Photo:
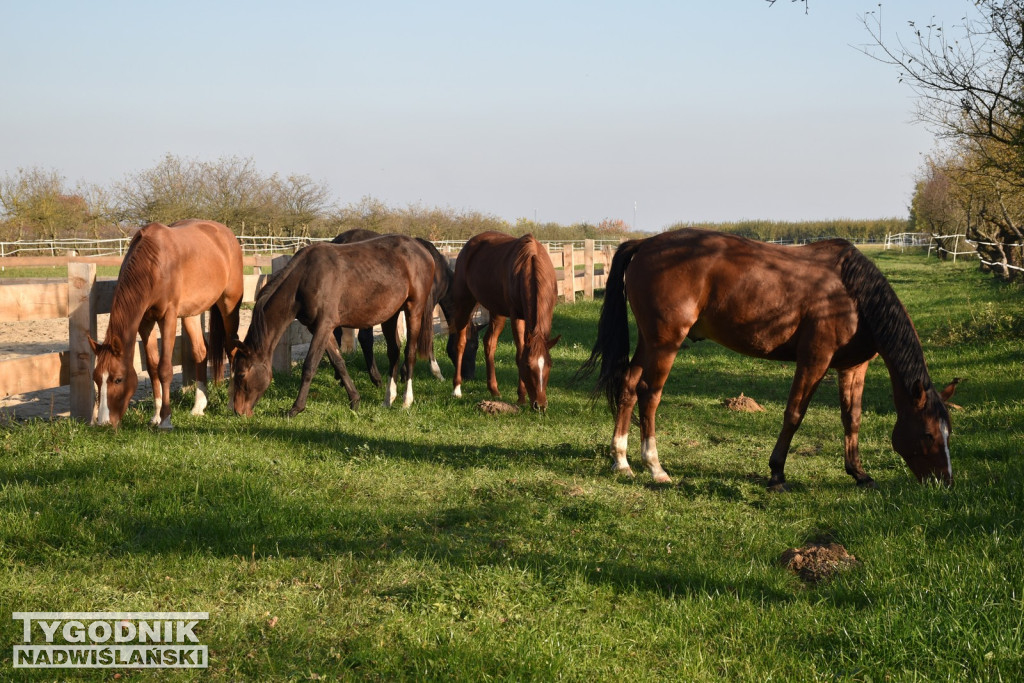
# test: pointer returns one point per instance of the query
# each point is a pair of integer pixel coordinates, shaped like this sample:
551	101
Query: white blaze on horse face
103	415
540	373
408	394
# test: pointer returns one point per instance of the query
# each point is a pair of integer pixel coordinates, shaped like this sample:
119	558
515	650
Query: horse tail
425	340
215	349
612	345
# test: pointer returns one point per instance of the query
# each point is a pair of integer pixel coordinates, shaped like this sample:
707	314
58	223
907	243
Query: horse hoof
626	472
867	483
778	487
662	478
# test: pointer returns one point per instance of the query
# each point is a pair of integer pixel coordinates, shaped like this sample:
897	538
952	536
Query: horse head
922	431
115	378
534	369
250	377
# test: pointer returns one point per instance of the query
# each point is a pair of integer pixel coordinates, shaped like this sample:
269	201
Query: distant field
441	543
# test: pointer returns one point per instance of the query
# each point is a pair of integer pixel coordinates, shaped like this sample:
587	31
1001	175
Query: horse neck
272	317
538	322
904	358
132	298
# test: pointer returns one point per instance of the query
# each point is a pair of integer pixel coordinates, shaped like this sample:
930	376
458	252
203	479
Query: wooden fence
83	297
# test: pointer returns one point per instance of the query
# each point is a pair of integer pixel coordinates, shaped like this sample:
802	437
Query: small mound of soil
496	407
742	403
817	562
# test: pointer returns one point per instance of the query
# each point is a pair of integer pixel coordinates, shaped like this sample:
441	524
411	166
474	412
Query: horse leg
390	330
460	327
413	319
851	389
151	345
365	337
341	373
624	417
317	345
519	339
168	331
808	375
192	328
656	366
490	344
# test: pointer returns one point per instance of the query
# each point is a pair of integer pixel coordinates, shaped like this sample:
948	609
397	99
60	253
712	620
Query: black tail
215	349
612	345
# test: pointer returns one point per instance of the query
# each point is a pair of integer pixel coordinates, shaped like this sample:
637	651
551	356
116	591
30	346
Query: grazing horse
823	305
169	272
511	278
326	286
440	295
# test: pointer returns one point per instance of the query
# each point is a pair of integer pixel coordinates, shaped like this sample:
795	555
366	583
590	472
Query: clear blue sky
703	110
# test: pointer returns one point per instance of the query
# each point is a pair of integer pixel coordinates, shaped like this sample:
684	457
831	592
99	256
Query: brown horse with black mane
440	295
823	305
168	272
325	286
511	278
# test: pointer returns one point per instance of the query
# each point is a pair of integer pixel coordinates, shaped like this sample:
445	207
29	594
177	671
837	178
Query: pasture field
441	543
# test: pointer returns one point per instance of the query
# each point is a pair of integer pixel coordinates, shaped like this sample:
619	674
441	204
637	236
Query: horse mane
885	317
256	336
134	283
527	253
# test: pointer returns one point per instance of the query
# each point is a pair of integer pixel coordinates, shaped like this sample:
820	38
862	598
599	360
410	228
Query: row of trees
970	87
38	204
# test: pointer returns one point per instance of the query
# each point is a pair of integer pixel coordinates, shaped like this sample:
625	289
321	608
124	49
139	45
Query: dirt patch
818	561
496	407
743	404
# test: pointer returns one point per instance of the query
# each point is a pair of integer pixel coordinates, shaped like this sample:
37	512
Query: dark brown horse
168	273
511	278
440	295
326	286
823	306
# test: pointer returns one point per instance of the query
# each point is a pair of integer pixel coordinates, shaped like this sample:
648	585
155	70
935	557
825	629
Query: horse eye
118	380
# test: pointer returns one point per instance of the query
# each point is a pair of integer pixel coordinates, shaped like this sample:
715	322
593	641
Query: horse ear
950	389
93	344
918	396
552	342
236	348
115	346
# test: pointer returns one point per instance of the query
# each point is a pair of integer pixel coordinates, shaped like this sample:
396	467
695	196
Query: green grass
440	543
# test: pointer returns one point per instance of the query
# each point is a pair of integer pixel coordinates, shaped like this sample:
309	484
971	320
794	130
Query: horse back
758	299
505	274
194	262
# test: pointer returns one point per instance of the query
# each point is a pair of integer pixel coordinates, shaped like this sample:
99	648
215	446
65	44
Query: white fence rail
940	244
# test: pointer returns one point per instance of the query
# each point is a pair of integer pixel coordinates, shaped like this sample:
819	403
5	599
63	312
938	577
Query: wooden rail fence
84	297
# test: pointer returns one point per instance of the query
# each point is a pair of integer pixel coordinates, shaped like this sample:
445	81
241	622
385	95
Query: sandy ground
37	337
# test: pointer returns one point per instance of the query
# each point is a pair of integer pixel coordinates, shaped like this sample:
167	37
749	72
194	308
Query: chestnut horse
326	286
511	278
168	272
440	295
823	305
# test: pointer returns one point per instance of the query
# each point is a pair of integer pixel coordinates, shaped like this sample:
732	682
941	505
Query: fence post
568	273
81	321
956	246
282	360
588	270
